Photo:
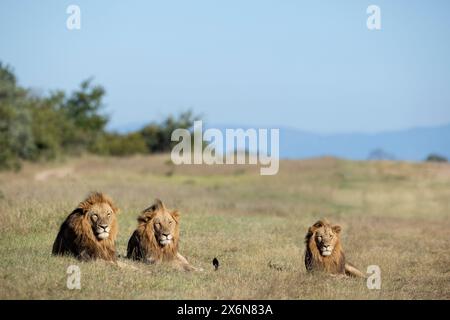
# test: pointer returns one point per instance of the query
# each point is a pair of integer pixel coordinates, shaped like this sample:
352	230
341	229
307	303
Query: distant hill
413	144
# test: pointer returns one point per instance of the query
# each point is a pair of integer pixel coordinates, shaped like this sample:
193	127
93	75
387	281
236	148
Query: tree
34	127
83	109
158	136
50	125
16	139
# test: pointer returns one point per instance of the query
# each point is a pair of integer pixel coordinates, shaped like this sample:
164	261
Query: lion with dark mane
156	238
324	251
90	231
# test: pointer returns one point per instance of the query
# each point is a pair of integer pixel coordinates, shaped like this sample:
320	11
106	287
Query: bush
85	122
120	145
49	126
16	139
436	158
158	135
36	127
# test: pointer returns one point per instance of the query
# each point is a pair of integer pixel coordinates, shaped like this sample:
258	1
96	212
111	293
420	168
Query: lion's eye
94	216
109	214
170	222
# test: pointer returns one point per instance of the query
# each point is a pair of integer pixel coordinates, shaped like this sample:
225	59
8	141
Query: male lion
90	231
324	251
156	238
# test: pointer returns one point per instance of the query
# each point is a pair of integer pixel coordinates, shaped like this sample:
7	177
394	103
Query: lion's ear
115	209
176	215
146	216
79	211
156	206
159	205
142	218
337	228
318	224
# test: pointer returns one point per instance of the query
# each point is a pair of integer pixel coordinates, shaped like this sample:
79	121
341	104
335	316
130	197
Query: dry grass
395	215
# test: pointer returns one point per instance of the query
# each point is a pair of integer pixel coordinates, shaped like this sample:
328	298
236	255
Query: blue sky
311	65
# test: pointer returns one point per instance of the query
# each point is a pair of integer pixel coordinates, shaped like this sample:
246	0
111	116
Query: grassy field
394	215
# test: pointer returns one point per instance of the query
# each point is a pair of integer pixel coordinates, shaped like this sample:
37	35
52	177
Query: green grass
395	215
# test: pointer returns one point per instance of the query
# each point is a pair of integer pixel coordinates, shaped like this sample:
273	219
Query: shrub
120	145
436	158
43	127
16	139
158	135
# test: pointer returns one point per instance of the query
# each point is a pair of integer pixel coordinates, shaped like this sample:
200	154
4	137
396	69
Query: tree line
37	127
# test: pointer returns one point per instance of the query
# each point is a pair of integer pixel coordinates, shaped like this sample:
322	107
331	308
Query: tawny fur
144	245
335	263
76	236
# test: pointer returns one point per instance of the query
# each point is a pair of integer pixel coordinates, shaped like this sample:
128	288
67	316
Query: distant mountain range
413	144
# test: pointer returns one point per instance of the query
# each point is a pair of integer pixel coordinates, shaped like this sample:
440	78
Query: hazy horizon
133	126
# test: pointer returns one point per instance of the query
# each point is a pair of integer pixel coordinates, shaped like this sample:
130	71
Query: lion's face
101	216
165	226
326	237
157	234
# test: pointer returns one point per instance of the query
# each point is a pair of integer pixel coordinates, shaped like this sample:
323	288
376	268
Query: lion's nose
104	226
166	234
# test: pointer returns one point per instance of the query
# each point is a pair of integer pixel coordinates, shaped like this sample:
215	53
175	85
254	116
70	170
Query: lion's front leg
85	256
182	263
149	260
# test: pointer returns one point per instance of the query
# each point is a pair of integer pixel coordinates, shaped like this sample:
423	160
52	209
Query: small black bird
215	263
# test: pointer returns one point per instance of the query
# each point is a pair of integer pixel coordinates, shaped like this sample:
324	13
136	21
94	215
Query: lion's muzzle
326	250
102	231
165	239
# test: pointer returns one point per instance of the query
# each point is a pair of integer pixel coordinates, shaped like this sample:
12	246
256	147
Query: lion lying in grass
324	251
156	238
90	231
